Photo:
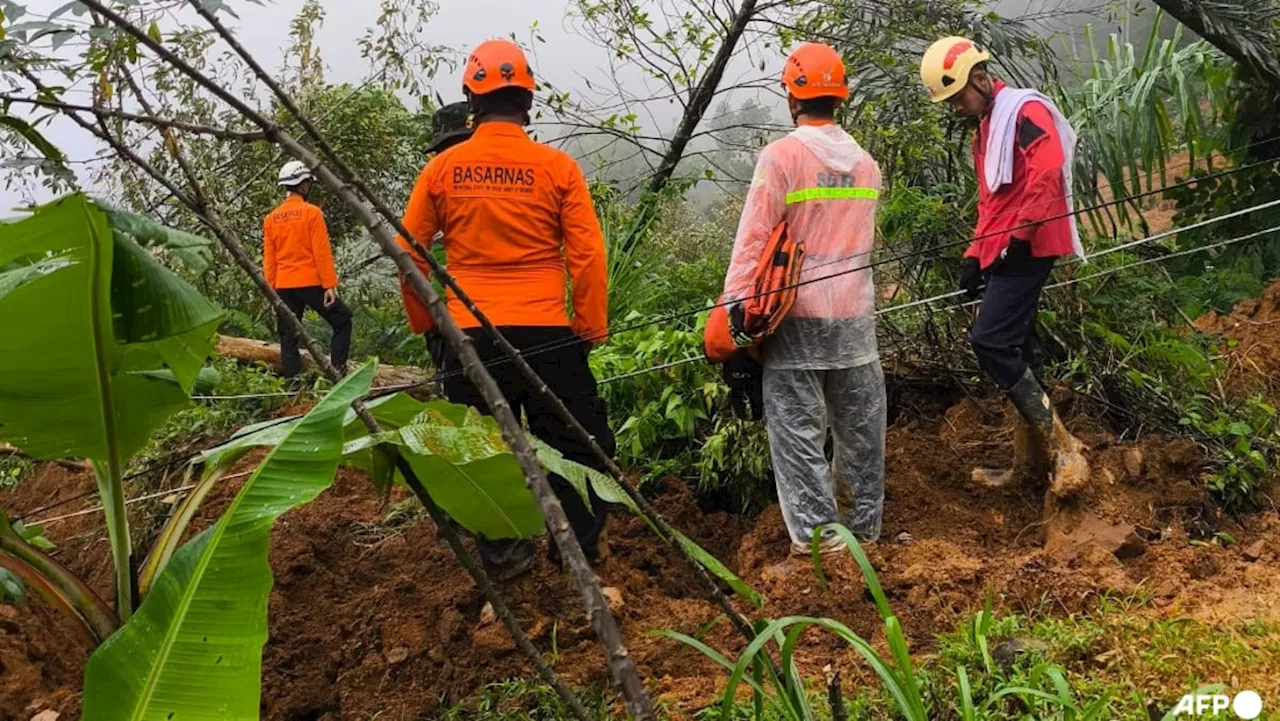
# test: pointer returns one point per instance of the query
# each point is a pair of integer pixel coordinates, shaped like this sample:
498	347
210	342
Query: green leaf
153	32
194	251
470	473
12	588
24	130
193	651
87	315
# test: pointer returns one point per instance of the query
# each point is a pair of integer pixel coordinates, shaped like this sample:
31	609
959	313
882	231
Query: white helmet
293	173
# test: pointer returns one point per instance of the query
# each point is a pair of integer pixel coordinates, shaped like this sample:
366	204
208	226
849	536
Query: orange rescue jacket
734	327
295	246
515	215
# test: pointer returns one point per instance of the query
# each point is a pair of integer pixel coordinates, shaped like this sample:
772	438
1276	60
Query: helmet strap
988	96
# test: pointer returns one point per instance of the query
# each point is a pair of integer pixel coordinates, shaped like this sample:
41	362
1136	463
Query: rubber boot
1069	471
1030	458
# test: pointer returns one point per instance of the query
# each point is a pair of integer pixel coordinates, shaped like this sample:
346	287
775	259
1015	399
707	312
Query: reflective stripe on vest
800	196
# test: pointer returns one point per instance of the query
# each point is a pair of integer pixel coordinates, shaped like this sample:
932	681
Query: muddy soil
371	619
1252	352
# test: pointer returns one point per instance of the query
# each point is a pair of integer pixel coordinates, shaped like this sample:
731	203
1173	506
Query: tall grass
779	690
1133	110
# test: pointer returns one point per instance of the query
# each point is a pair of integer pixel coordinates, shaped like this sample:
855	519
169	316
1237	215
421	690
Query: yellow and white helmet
947	64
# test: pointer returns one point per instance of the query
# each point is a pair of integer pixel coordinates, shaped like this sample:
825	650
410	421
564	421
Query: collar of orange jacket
293	197
498	128
818	122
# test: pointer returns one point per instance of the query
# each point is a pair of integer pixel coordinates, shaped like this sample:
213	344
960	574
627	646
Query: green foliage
205	419
468	470
104	317
112	338
674	421
1133	111
13	468
1222	279
194	649
12	590
194	251
525	700
1164	373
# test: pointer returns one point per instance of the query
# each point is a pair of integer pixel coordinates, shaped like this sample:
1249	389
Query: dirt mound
372	616
1253	353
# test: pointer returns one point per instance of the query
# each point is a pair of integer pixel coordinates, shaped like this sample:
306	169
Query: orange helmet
497	64
813	71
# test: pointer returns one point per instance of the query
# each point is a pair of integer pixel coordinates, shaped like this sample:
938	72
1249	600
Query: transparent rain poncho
822	368
824	185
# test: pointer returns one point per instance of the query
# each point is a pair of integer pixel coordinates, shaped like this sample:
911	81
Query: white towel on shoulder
1001	142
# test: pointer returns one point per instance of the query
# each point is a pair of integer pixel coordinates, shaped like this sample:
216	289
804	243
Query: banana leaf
89	317
466	467
193	650
462	460
194	251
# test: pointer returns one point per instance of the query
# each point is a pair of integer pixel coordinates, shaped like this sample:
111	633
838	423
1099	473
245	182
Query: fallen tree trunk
247	350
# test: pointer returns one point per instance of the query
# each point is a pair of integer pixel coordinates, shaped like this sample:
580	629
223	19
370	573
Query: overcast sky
460	24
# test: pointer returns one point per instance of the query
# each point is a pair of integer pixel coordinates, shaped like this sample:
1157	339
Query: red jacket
1036	194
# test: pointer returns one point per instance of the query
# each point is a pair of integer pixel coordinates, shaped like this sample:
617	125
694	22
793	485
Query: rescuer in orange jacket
518	223
298	263
450	125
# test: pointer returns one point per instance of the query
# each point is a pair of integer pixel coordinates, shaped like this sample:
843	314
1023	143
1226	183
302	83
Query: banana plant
457	453
53	582
193	651
102	343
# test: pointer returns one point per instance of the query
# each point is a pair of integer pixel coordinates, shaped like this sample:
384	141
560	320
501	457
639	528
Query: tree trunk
694	112
247	350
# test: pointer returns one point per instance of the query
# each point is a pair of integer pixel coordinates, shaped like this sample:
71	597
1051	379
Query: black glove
745	379
971	278
1014	255
435	348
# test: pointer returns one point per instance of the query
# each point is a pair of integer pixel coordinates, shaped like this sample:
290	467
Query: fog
566	58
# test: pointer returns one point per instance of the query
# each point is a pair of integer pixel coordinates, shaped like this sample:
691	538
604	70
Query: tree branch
222	133
602	620
196	202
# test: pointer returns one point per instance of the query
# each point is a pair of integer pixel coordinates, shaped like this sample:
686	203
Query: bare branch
620	662
223	133
196	202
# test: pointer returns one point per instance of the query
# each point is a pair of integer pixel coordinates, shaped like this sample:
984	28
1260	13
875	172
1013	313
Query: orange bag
744	325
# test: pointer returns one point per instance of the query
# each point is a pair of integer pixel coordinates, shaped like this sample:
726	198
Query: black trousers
567	374
1004	334
338	316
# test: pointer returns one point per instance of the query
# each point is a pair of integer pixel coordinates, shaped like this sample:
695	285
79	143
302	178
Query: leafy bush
1161	371
673	422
